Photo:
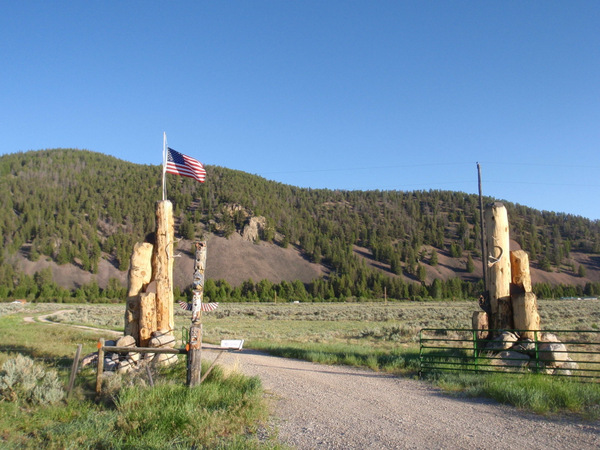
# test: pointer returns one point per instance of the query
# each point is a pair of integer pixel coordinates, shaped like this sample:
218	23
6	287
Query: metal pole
164	168
483	246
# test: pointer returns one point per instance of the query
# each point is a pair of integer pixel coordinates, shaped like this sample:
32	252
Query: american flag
206	307
180	164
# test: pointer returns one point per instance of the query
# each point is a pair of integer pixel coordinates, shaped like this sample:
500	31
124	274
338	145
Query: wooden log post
162	266
194	356
480	323
519	268
140	273
147	317
498	270
524	301
74	368
195	345
481	335
198	283
100	367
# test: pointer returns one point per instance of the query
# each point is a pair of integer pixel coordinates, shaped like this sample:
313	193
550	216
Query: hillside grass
224	412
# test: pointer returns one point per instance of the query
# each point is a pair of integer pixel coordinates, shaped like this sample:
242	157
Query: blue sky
362	95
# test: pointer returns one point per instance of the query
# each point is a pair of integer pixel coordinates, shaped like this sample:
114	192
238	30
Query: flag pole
164	168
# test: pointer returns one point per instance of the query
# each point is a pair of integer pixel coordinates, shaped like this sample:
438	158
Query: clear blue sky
402	95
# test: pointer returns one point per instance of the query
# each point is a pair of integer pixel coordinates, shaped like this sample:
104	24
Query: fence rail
572	353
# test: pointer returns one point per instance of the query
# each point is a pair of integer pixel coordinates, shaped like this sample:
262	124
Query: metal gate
463	350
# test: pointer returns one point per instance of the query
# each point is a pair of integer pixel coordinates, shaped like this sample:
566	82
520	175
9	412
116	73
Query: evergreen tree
433	260
470	264
421	273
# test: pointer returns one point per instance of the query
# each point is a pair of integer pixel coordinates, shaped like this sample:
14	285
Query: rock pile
126	362
509	350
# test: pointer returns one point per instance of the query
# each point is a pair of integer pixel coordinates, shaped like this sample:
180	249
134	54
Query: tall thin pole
483	246
195	343
164	168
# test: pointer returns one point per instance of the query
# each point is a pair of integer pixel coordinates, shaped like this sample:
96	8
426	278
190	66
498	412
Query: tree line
77	207
41	288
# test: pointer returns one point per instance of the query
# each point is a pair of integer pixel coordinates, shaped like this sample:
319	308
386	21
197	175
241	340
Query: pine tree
421	273
433	260
470	264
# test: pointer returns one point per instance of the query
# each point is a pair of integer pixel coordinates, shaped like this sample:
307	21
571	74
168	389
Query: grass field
383	337
224	412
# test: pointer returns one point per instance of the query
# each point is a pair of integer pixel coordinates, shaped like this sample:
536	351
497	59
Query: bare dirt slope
449	267
332	407
236	260
233	260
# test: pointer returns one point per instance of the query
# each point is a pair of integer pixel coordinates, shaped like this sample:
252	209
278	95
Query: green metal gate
460	350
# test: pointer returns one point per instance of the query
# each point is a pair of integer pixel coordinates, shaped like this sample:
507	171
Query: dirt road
332	407
44	318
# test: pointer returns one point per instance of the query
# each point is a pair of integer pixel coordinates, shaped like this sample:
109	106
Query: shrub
21	380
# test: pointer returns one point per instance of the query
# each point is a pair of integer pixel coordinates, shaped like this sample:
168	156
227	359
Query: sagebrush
22	380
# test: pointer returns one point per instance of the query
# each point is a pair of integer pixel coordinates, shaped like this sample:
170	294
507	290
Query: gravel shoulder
335	407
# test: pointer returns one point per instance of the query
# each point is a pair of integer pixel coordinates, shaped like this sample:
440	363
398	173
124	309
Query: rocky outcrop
252	230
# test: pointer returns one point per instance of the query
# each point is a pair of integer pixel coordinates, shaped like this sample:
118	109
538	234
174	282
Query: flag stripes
185	166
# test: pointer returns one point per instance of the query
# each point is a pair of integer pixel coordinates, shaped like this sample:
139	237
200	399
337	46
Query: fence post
537	353
195	344
194	356
420	353
100	366
74	368
475	350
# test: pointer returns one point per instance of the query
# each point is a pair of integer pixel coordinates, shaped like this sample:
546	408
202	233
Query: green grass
224	412
538	393
394	361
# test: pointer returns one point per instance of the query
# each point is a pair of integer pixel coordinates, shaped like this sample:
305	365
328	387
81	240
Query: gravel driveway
335	407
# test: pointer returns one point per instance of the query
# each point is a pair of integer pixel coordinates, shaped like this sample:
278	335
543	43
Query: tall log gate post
162	267
195	345
498	269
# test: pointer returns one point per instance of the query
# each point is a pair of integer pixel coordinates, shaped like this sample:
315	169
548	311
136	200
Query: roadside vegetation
224	412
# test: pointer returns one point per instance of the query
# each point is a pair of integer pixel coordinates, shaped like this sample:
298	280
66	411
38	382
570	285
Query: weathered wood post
524	301
162	267
480	322
147	317
100	367
195	345
498	270
140	273
74	370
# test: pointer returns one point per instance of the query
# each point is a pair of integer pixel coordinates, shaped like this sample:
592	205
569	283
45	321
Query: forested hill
80	207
